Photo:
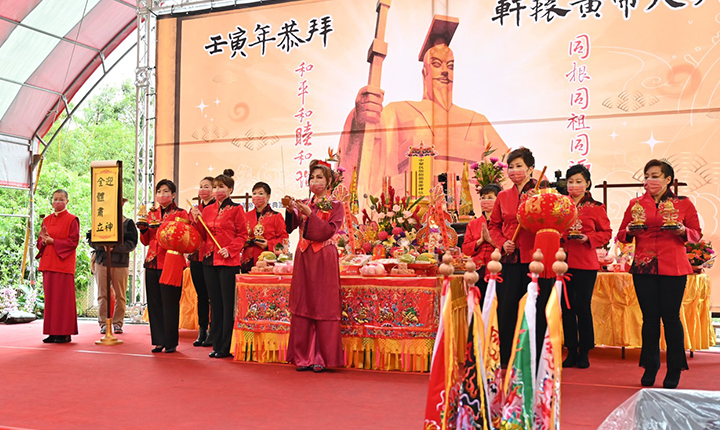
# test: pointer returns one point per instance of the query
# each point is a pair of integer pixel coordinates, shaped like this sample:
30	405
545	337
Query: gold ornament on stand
259	231
670	216
638	217
575	231
142	216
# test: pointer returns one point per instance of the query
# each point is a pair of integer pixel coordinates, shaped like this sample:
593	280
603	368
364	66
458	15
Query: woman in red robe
58	241
226	221
314	342
660	268
583	267
271	232
477	242
163	300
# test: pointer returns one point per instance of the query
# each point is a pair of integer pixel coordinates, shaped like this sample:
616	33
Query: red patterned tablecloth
387	323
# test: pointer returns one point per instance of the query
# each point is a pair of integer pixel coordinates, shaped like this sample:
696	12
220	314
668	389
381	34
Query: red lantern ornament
178	237
547	214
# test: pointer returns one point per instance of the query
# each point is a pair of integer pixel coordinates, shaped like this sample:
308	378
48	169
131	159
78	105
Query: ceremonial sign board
106	202
421	170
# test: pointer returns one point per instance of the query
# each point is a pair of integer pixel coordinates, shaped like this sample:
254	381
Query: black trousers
578	320
660	297
509	293
203	299
482	284
163	309
220	281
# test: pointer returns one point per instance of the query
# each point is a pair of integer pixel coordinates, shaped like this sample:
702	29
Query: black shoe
583	361
648	378
672	378
62	339
318	368
303	368
158	348
571	359
103	329
222	355
50	339
208	340
212	354
202	337
170	350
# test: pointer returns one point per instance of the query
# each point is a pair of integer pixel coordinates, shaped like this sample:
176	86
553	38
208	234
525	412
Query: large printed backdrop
644	73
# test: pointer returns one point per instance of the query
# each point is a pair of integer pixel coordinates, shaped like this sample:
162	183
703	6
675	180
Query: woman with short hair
583	267
660	268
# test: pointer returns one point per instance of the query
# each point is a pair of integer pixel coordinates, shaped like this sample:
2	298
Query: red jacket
503	223
197	255
596	226
661	252
481	254
59	257
274	234
156	254
227	223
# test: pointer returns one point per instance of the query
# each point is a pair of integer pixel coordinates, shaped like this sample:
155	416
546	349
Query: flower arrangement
700	254
390	221
490	170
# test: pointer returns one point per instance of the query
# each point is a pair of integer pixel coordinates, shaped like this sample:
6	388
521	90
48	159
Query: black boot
672	378
572	358
202	337
208	340
648	378
50	339
583	361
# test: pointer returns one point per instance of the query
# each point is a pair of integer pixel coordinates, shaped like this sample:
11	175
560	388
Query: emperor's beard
438	92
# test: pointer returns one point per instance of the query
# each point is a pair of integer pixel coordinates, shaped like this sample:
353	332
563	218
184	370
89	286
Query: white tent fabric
48	49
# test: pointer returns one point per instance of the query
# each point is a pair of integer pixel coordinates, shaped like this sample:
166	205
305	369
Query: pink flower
341	169
383	235
396	231
494	160
367	247
474	166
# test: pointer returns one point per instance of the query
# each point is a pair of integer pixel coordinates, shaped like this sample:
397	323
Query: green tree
104	129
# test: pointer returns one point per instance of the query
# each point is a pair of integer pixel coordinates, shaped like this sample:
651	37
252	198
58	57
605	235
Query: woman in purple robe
314	342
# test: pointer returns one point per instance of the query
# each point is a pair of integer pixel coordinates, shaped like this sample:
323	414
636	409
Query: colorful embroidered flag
546	406
519	384
443	387
491	355
473	412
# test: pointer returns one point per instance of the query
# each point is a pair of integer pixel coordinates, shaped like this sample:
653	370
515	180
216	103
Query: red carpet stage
83	386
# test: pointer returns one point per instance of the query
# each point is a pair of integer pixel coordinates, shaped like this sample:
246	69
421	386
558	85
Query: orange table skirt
618	320
387	323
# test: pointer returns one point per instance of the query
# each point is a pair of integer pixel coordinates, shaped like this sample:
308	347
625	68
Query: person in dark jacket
119	271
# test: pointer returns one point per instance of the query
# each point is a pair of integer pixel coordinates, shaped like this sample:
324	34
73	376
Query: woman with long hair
226	221
660	267
266	228
163	300
583	267
314	342
205	198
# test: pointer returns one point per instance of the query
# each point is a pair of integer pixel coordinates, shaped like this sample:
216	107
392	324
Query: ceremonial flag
518	408
546	407
466	203
473	412
491	356
443	387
